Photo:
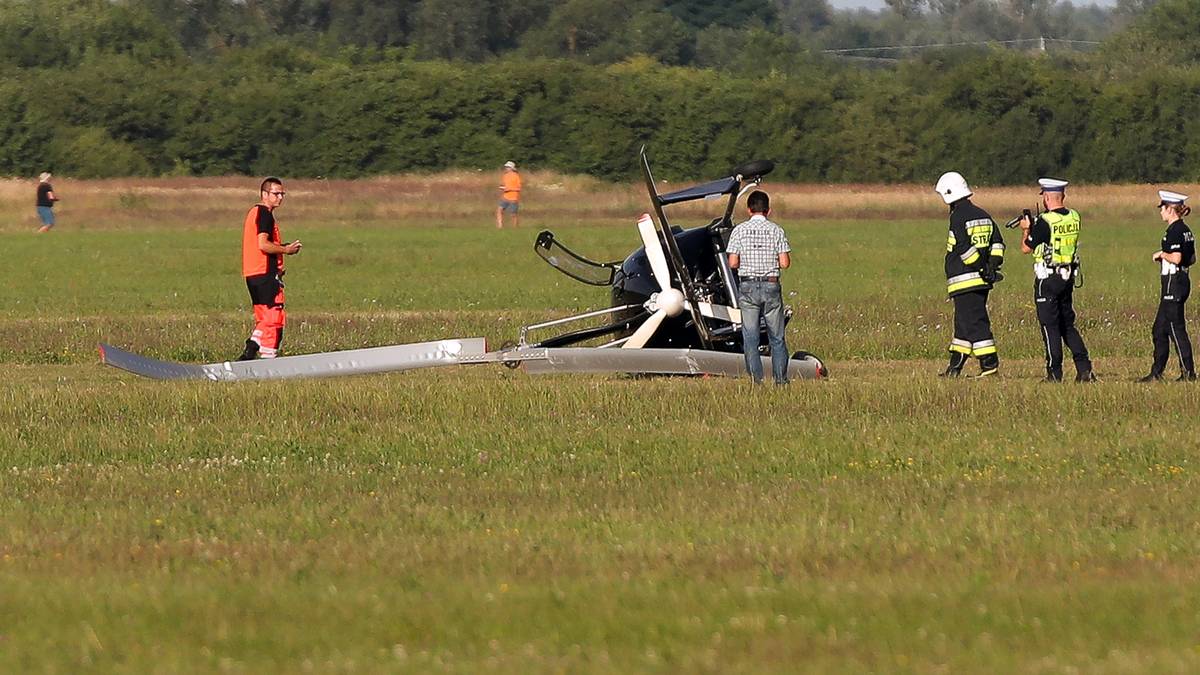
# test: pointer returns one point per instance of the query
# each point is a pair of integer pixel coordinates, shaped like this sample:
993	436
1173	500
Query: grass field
478	519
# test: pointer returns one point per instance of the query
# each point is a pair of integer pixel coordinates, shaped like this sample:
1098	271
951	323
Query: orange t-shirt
511	182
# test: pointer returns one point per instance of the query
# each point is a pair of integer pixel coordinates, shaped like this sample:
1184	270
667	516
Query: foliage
273	86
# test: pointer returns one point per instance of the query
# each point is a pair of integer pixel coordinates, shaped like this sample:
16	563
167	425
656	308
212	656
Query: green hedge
998	117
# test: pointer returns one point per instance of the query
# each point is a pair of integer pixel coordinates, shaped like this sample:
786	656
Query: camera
1025	213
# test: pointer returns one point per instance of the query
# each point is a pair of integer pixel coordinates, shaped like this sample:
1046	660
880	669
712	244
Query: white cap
44	177
952	187
1168	197
510	165
1052	185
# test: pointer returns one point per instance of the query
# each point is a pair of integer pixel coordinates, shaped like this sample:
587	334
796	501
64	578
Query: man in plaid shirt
758	249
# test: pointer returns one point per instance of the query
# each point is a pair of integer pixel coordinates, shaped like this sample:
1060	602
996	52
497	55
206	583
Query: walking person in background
758	249
510	195
45	202
1176	254
1052	238
262	266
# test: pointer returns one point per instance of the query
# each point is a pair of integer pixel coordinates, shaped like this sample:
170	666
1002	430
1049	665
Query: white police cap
1052	185
1168	197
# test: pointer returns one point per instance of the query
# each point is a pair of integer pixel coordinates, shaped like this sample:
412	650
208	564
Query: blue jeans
765	299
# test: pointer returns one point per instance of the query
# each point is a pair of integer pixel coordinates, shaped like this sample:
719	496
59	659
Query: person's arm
785	251
733	249
963	247
271	248
1172	250
51	196
996	250
785	261
1034	234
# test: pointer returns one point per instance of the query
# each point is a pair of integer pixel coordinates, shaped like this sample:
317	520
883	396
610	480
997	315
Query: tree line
125	96
705	33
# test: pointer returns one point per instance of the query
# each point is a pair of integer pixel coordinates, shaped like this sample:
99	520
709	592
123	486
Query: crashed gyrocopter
674	311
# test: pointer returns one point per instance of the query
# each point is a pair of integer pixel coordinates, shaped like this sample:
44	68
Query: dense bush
123	99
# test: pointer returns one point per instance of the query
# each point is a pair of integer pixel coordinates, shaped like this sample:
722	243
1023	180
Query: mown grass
476	519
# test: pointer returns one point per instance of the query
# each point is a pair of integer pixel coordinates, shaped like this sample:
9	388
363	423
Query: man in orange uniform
510	194
262	266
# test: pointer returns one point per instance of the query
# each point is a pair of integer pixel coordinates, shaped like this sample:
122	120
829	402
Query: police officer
974	254
1176	254
1052	237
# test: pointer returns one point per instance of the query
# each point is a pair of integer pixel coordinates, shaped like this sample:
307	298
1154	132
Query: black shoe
1152	377
1085	376
250	353
987	372
1186	377
954	369
1052	376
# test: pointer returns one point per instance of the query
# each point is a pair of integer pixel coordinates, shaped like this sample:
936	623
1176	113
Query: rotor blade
326	364
654	251
646	331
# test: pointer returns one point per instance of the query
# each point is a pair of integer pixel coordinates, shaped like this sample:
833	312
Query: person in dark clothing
1052	237
1176	254
974	254
45	202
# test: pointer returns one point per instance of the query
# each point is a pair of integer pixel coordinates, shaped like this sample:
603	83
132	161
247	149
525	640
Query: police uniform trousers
1056	314
1169	326
973	327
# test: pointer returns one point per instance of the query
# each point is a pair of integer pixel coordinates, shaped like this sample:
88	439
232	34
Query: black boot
1053	375
1187	376
251	351
1085	376
957	361
1152	377
989	365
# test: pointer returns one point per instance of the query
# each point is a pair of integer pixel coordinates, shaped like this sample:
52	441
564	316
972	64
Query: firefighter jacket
974	249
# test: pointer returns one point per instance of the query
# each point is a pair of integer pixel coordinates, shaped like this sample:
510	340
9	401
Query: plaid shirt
758	243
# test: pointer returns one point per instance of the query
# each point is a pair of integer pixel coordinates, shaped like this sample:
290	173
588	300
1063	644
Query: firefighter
974	254
262	266
1052	237
1175	255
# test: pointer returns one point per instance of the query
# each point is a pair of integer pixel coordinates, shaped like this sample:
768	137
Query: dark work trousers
1169	327
972	326
1057	316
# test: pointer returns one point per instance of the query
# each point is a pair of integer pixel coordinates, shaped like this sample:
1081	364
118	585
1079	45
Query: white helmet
952	187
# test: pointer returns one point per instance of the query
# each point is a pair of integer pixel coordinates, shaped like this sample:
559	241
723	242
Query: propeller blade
646	331
654	251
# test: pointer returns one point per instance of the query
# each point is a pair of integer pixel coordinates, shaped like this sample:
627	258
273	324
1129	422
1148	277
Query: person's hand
293	248
1157	256
1026	222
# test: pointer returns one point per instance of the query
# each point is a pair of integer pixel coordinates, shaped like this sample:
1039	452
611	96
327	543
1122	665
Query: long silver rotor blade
654	251
646	331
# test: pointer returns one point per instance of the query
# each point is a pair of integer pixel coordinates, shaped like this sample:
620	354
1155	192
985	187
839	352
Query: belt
770	279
